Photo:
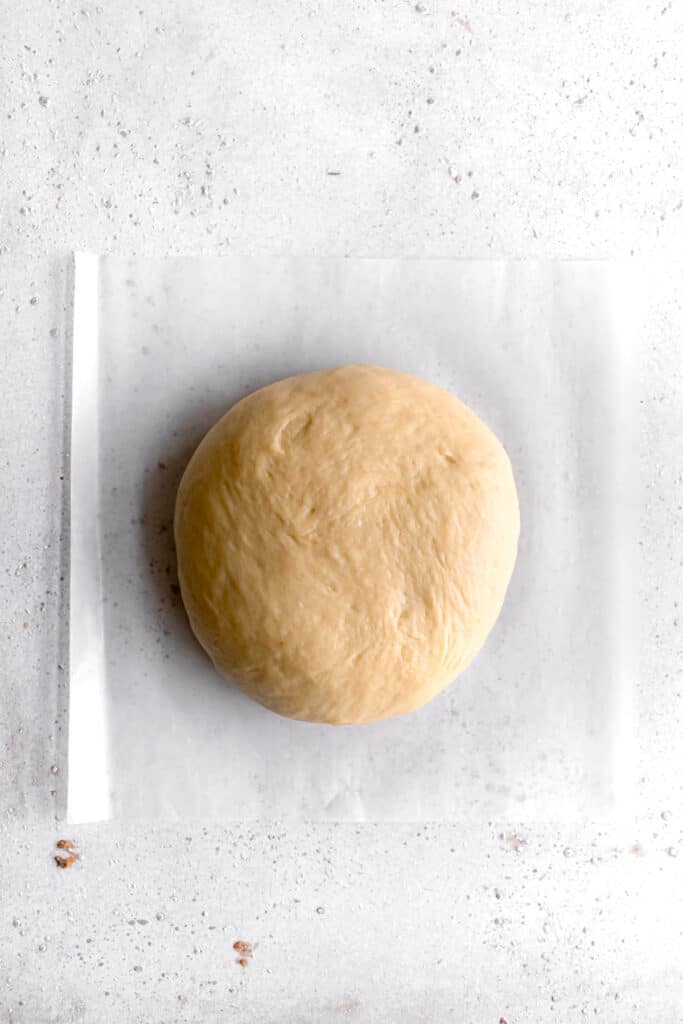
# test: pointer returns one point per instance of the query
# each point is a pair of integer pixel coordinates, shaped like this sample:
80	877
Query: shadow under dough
158	544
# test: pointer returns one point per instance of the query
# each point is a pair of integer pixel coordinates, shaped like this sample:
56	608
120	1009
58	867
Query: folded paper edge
88	790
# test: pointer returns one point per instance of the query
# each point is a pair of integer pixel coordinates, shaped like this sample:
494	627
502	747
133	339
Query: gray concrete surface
492	129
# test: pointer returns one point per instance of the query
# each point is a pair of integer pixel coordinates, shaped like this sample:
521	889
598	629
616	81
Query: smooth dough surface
345	539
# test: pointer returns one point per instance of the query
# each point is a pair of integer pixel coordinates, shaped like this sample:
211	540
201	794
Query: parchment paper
539	727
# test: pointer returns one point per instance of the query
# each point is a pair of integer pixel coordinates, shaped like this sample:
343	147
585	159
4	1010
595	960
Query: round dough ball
345	539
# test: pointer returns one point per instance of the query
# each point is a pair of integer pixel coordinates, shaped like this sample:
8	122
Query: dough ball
345	539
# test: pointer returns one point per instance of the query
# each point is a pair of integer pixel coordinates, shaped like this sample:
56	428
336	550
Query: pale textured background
541	129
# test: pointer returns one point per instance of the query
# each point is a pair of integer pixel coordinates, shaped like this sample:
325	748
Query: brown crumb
65	862
243	962
514	841
463	22
502	1021
71	853
243	948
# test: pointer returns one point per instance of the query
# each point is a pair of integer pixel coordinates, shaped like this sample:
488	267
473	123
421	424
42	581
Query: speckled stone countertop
365	128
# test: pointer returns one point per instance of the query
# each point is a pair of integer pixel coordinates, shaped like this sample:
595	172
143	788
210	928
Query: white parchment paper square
539	726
